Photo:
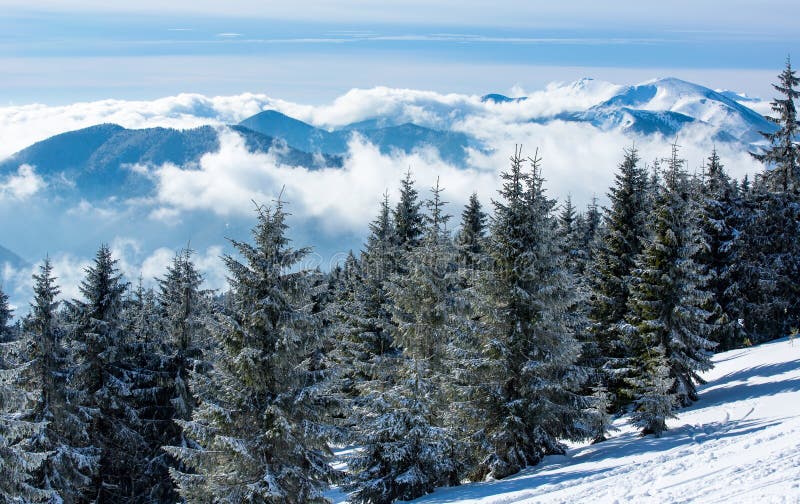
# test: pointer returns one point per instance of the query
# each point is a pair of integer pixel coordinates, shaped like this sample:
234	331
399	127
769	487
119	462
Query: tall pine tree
621	242
257	423
527	387
667	321
783	155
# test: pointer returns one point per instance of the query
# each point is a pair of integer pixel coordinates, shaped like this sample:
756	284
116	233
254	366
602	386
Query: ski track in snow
740	443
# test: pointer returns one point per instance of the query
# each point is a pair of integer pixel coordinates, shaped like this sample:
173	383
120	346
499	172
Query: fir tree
18	458
471	238
655	401
257	422
622	241
71	462
527	386
105	381
407	448
767	263
363	328
408	220
5	318
667	305
783	154
719	216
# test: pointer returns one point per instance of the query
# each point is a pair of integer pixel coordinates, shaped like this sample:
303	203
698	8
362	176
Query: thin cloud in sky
698	13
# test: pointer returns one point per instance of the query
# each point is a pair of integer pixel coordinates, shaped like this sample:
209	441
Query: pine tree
6	315
471	238
718	212
105	379
767	263
655	401
408	220
64	434
257	422
783	154
363	320
19	459
621	242
408	449
667	304
526	391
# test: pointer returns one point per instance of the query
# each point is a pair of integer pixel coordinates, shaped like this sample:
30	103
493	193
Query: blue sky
312	51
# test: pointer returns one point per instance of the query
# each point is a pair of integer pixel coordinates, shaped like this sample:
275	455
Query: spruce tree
19	459
71	462
407	448
408	220
667	313
767	263
471	238
655	400
782	157
257	422
526	393
718	218
105	380
621	242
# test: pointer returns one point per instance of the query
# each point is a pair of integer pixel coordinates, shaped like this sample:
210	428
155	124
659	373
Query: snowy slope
739	443
667	105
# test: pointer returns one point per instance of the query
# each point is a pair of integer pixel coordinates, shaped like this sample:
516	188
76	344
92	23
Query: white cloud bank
21	185
579	159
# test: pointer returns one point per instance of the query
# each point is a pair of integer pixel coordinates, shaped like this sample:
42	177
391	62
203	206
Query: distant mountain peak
499	98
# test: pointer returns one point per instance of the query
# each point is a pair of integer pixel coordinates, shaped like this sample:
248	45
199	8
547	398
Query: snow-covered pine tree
767	262
184	307
256	422
408	220
655	400
6	314
147	359
105	378
782	157
718	218
620	243
668	297
768	255
19	459
569	228
407	448
526	388
471	238
591	229
64	435
363	321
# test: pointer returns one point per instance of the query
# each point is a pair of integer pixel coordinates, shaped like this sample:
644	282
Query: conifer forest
449	349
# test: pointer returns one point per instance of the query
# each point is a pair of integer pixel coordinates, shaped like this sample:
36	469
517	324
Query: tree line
433	357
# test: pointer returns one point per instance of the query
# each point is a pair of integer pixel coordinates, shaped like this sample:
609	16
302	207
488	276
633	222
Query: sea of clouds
578	160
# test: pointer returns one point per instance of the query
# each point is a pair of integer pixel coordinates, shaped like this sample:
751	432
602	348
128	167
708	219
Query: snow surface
739	443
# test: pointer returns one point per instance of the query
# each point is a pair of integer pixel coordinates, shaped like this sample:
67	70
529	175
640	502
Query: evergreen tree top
436	219
408	219
103	286
45	291
782	157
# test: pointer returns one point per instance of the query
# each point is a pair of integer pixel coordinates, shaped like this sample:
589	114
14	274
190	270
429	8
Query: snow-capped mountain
668	105
94	159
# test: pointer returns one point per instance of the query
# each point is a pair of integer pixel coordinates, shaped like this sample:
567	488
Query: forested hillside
440	357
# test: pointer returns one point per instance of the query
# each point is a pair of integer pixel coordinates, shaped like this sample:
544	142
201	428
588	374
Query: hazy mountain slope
96	162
